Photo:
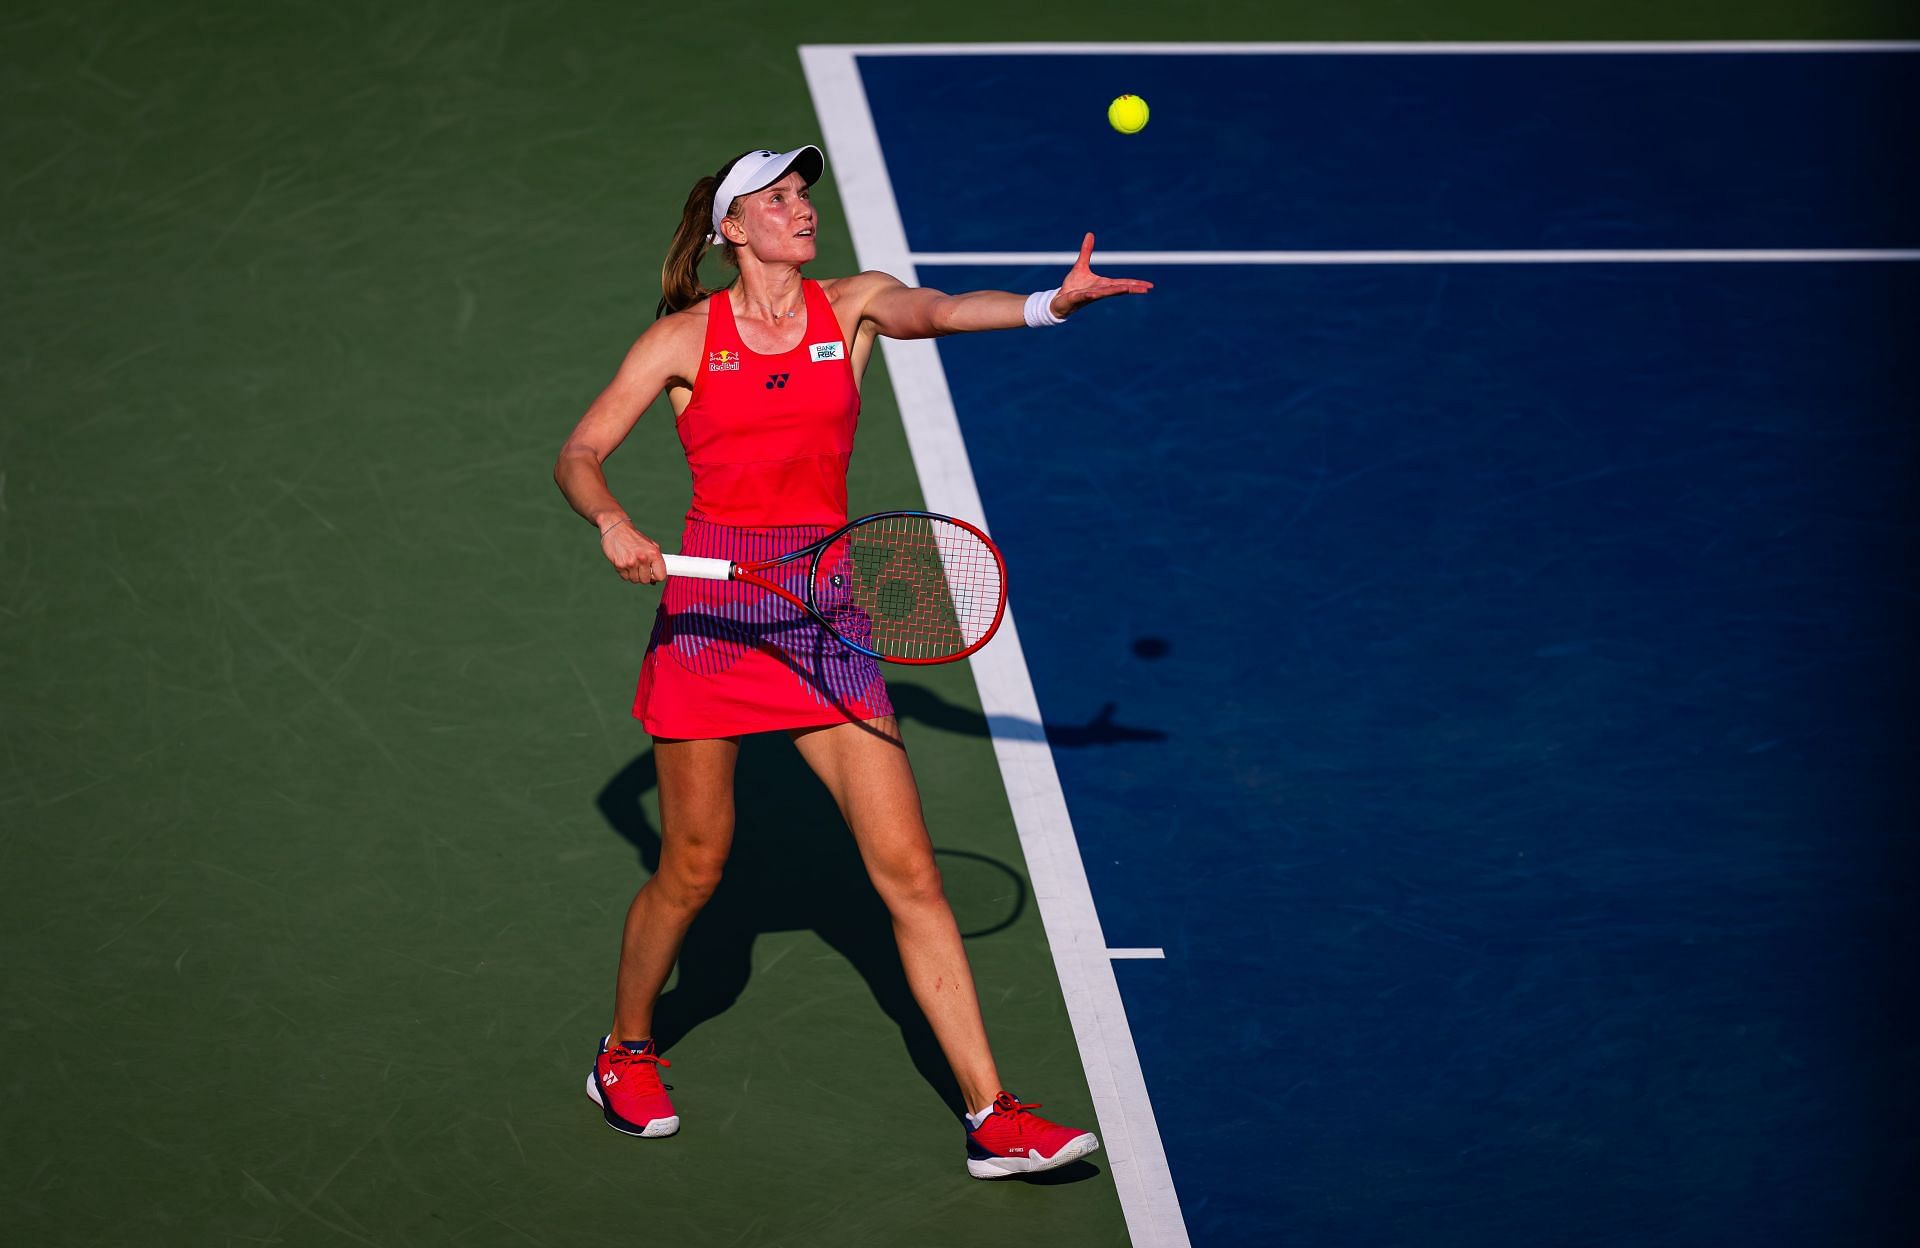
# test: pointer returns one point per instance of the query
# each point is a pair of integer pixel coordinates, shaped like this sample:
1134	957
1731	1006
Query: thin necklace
777	315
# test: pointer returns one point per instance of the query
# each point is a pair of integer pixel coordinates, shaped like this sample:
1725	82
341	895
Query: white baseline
1080	956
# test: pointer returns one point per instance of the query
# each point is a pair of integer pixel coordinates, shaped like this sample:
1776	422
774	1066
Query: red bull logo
723	361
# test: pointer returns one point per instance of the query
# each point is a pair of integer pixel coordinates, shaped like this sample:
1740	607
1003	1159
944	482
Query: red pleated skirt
727	659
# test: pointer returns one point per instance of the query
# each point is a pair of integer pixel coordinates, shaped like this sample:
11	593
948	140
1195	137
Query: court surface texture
1447	782
1475	672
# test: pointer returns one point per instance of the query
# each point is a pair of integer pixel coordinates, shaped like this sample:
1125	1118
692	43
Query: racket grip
699	569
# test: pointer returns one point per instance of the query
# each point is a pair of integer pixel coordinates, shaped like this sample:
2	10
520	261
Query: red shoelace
1007	1103
620	1056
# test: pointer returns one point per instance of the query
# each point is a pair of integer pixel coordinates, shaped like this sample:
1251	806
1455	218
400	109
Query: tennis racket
904	586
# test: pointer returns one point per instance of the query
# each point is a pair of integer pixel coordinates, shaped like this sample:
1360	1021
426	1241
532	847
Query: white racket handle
699	569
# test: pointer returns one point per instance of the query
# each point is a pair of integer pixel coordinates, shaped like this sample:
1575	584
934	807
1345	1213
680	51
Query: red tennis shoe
1014	1140
625	1084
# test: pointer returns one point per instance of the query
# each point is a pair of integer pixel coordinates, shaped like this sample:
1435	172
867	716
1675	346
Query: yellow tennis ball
1127	114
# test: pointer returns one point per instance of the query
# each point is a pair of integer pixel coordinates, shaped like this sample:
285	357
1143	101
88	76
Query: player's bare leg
696	833
865	768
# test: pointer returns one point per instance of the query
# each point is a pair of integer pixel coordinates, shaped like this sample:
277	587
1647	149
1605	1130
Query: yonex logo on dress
777	380
823	351
723	361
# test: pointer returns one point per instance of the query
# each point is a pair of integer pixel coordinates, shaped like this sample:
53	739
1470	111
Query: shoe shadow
1073	1172
794	866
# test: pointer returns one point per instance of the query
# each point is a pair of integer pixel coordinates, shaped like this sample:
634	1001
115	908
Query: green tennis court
321	804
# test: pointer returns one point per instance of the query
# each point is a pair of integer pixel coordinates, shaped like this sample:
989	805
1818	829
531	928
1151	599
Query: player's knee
690	882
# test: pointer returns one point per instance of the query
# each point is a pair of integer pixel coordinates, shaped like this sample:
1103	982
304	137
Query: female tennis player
764	379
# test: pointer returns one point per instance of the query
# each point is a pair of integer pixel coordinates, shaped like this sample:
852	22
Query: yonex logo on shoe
610	1079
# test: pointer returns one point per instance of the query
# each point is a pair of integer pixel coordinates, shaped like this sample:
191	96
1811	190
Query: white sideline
1080	955
1613	47
1065	259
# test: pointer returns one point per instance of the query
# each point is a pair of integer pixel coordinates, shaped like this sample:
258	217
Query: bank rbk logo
777	381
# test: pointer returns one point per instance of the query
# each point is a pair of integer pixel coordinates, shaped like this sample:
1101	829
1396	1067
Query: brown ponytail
680	272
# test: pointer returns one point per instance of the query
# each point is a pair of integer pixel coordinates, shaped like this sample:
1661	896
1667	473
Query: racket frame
726	570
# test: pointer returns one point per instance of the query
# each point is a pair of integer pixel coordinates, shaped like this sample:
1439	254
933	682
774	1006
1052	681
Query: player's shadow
794	866
927	707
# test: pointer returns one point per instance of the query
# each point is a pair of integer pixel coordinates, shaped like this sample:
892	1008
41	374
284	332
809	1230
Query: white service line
1080	956
1547	48
1141	954
1109	259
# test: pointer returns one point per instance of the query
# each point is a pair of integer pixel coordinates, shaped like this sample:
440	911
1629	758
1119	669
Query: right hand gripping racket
904	586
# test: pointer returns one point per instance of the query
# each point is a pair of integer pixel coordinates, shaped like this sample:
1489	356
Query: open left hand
1082	285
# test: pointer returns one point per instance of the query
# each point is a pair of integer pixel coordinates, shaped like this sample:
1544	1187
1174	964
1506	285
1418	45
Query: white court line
1828	255
1142	954
1559	48
1080	958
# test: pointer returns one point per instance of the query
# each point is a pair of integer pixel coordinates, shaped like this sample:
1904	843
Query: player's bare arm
887	306
657	360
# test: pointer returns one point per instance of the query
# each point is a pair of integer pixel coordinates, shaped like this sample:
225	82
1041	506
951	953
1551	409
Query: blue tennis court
1485	682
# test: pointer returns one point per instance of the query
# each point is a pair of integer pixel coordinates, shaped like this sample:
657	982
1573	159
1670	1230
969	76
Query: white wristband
1039	310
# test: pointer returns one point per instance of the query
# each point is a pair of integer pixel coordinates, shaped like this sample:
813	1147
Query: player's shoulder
676	330
856	289
688	320
669	346
859	283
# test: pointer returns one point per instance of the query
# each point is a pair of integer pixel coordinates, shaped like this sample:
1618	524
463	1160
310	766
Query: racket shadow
924	706
812	657
794	867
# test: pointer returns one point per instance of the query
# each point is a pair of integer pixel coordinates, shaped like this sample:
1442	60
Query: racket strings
913	587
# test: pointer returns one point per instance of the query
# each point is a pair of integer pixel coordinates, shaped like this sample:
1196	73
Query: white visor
758	170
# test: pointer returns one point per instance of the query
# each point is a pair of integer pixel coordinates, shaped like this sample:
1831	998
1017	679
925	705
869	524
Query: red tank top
768	437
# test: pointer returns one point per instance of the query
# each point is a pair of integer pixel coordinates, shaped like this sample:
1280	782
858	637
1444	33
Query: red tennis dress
767	438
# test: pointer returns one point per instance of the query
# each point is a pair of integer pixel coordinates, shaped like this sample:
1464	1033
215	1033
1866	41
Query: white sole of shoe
1008	1167
654	1129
